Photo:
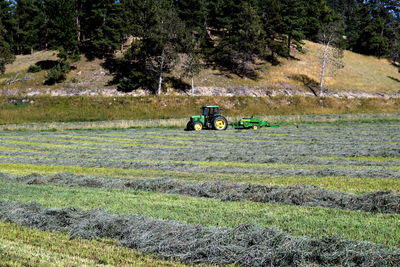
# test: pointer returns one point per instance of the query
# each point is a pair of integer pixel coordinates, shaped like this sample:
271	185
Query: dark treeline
229	34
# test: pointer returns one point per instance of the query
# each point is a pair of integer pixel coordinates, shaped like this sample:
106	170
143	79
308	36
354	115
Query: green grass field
353	157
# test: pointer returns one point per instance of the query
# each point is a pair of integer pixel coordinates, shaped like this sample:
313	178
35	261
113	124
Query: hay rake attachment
252	123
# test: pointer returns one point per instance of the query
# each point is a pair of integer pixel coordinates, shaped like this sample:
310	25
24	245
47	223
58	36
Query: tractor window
205	111
213	111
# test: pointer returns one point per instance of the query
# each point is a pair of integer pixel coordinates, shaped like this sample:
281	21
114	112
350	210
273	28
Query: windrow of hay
299	195
246	245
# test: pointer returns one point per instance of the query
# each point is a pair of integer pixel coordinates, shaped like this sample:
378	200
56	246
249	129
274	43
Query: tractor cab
210	111
210	118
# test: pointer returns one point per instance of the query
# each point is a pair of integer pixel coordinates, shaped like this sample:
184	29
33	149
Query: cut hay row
299	195
246	245
298	220
338	183
23	246
297	162
341	144
85	145
278	169
176	135
171	174
176	156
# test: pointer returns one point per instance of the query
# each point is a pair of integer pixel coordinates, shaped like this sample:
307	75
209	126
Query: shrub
57	74
34	68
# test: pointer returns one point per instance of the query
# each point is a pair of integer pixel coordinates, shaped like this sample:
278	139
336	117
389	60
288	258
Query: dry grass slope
360	73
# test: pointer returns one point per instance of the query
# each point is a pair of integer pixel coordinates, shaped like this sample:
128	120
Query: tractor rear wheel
197	126
220	123
256	127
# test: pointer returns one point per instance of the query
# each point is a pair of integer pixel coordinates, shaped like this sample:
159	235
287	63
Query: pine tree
294	18
30	26
7	20
242	41
62	27
318	14
102	27
155	49
6	55
374	34
274	29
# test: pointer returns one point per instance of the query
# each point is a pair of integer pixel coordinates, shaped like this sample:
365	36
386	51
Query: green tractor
210	119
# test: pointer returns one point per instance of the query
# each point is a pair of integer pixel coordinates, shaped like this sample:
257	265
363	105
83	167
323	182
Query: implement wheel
220	123
256	127
197	126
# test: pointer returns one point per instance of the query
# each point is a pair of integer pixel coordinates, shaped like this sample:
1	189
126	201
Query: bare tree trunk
289	44
160	81
322	75
192	85
325	57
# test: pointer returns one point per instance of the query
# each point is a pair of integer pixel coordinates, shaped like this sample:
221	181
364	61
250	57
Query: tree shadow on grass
178	84
307	82
394	79
47	64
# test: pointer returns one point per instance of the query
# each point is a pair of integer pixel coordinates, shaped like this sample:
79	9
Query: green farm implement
252	123
210	118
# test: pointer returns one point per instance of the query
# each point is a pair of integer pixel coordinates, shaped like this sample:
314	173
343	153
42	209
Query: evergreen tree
294	18
6	24
62	27
30	26
194	13
242	41
102	27
155	49
7	20
375	19
318	14
6	55
274	29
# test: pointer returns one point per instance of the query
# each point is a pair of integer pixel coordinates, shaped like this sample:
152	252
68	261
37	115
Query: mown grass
255	165
344	184
300	221
374	159
23	246
54	145
89	109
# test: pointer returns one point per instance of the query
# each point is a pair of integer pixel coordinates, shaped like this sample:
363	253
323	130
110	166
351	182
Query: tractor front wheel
189	126
256	127
197	126
220	123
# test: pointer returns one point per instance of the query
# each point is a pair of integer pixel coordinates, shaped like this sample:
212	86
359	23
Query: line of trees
229	34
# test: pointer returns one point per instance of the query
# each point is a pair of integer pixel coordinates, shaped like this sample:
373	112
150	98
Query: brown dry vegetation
69	109
360	73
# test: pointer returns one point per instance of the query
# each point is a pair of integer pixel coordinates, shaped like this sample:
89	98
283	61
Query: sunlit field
321	193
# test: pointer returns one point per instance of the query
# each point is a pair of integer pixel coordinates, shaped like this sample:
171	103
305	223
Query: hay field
315	194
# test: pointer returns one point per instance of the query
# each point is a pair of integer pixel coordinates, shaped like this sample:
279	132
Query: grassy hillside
360	73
